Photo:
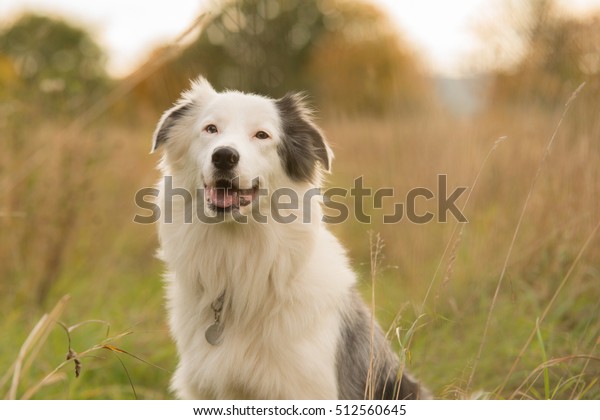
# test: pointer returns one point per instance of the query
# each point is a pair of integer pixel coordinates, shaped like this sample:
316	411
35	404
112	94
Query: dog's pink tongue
221	197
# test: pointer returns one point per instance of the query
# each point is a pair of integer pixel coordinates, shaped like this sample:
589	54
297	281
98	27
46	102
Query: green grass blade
545	359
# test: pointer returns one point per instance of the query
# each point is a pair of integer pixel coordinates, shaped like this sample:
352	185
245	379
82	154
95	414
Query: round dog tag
214	334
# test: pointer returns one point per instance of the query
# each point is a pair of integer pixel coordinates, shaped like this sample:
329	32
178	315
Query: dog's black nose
225	158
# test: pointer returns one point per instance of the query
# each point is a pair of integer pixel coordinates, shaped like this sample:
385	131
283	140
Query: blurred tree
8	77
57	66
47	68
345	53
560	53
361	64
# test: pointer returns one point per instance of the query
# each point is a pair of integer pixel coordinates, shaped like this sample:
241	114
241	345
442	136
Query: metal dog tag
214	334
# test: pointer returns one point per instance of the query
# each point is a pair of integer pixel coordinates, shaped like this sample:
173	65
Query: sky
443	32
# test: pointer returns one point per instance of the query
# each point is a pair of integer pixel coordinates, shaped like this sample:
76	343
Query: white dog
260	294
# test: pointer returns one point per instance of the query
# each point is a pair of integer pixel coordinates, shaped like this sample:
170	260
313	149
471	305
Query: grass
67	230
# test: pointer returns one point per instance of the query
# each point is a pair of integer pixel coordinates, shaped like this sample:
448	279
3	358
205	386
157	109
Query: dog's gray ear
195	96
303	145
166	122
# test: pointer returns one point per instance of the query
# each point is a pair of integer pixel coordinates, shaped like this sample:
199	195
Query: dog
260	309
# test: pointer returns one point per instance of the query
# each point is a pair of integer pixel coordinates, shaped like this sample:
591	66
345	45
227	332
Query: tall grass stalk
548	306
539	370
30	348
376	247
538	333
514	237
37	338
462	226
583	370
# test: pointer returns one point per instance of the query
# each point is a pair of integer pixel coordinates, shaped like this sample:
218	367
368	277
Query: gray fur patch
303	144
162	131
354	361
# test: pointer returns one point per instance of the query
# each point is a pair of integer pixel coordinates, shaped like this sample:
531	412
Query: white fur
286	284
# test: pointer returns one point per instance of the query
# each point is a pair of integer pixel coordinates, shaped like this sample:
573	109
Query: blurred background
506	306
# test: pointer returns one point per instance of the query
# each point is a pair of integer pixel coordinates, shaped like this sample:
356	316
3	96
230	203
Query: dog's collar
214	333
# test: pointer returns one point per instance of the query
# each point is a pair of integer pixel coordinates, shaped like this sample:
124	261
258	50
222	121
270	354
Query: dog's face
237	147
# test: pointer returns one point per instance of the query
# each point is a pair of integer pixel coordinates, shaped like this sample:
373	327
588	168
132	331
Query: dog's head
231	144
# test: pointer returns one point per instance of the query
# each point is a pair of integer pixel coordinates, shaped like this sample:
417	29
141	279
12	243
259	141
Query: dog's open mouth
225	195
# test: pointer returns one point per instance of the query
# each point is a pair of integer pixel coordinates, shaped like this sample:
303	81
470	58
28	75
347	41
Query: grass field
67	208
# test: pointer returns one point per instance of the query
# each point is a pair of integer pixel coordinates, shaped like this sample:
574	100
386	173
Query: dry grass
556	240
67	228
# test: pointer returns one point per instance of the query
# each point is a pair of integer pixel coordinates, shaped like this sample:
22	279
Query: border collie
260	308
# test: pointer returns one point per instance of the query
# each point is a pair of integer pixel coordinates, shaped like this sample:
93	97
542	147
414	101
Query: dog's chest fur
281	321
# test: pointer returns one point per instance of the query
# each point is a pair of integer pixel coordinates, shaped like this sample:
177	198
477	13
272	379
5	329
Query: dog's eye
262	135
211	128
